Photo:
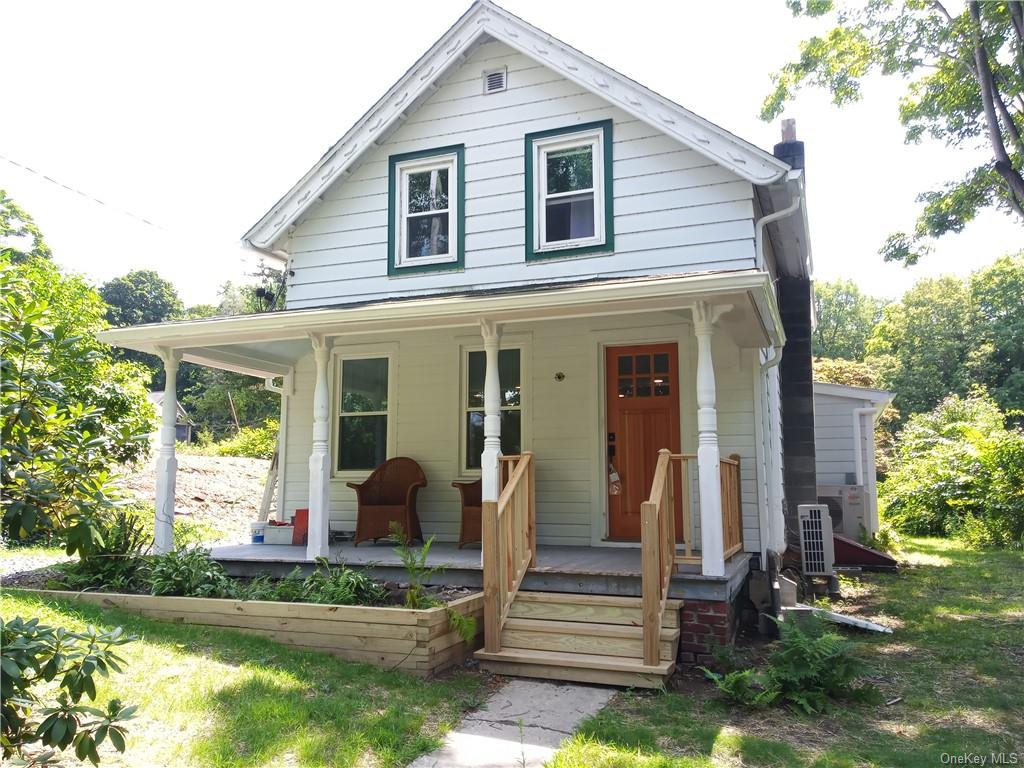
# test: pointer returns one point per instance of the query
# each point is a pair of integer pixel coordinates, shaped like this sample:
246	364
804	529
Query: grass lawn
211	697
956	659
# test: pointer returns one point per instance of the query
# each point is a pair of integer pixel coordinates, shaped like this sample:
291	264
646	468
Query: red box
300	535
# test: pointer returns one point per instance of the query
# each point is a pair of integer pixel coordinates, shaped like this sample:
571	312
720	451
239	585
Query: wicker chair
388	496
472	506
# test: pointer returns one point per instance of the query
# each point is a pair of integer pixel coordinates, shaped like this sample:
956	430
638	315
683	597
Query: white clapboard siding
675	210
833	438
560	419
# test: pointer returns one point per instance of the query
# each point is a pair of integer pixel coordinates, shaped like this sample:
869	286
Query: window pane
362	441
643	387
428	191
661	363
661	386
643	364
625	365
364	385
508	376
511	433
477	371
474	438
570	169
625	387
569	218
428	235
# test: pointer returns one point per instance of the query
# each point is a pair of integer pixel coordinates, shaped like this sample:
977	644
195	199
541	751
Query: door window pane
661	386
364	385
625	365
625	387
643	364
363	441
570	169
661	363
643	387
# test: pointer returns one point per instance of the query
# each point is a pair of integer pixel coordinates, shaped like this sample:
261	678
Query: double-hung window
425	201
362	413
569	191
510	378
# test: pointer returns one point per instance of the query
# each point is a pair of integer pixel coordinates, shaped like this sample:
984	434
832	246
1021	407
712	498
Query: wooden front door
643	417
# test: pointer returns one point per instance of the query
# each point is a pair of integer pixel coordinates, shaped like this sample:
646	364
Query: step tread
617	601
577	660
586	628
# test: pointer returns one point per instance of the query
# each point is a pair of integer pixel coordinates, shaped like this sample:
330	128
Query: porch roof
269	344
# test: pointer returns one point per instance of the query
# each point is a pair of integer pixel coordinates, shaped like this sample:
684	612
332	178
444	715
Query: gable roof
484	18
865	394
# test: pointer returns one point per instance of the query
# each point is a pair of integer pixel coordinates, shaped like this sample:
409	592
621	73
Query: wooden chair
472	507
388	496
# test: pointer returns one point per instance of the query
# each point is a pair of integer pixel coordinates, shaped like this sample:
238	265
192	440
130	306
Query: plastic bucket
257	532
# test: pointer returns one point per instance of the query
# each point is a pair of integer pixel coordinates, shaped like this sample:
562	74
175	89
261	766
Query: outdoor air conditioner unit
847	508
816	550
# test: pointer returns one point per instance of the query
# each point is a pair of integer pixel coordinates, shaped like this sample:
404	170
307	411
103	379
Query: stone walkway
522	725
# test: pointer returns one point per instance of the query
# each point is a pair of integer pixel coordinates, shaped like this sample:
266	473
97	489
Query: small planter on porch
421	642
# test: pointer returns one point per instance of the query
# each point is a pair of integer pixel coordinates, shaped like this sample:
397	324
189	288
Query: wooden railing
658	552
509	528
732	508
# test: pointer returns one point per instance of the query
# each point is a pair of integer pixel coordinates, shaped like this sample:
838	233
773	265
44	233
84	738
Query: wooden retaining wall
420	642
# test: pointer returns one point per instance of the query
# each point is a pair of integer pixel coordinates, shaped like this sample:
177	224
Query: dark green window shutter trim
608	246
459	150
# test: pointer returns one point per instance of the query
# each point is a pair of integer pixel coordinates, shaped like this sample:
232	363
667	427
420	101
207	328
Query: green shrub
46	673
811	666
118	563
250	442
341	586
959	471
188	573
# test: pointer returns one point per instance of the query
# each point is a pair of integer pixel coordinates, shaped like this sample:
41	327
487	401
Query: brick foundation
703	626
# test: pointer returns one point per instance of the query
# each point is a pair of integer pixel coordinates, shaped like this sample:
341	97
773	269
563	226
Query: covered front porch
559	410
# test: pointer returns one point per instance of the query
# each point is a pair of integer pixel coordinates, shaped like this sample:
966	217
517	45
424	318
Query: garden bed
422	642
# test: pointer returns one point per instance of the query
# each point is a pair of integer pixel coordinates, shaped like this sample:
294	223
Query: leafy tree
141	296
997	303
47	671
965	85
18	231
845	317
922	346
849	373
70	413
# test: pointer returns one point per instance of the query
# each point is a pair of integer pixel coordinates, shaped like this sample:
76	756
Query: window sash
403	215
468	409
542	147
340	413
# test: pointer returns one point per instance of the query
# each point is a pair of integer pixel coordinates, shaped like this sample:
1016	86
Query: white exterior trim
594	140
486	18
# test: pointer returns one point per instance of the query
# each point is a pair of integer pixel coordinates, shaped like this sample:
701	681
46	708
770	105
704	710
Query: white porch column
166	463
319	459
708	468
490	471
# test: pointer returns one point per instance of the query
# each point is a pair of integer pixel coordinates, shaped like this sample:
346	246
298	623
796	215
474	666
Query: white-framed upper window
568	176
363	407
426	197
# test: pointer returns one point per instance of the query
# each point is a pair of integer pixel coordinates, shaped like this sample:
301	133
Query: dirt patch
223	492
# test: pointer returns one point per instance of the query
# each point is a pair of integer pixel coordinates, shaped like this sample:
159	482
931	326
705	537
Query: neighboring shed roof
485	19
157	399
880	397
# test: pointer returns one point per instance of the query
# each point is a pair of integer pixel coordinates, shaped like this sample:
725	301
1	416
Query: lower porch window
510	376
363	413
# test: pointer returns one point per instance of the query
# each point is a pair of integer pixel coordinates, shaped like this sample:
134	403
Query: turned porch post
166	463
490	471
708	460
319	460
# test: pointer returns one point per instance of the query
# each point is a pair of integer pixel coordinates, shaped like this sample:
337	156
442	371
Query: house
183	424
844	444
519	252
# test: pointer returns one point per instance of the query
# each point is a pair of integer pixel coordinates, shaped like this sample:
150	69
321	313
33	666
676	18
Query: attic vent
495	80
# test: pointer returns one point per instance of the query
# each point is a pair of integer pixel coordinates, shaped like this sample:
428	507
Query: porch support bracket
317	544
705	315
166	462
490	459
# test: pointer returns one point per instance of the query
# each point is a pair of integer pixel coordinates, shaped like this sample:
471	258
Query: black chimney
789	150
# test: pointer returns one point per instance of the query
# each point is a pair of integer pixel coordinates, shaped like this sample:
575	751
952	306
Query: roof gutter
764	221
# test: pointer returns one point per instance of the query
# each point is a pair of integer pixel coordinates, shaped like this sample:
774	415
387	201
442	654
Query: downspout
858	462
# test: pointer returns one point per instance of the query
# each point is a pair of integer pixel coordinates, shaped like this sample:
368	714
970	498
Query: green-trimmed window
425	210
569	191
510	376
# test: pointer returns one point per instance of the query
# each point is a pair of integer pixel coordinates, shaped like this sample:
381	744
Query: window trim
338	357
456	155
536	144
523	345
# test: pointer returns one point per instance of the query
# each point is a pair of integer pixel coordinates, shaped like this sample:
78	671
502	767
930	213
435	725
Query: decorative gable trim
484	17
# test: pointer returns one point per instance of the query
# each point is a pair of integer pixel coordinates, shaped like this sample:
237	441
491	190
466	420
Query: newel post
708	459
490	471
319	460
166	462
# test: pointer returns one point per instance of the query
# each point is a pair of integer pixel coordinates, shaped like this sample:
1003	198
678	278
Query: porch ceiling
270	344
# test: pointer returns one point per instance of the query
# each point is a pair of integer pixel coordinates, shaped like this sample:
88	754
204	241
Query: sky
198	116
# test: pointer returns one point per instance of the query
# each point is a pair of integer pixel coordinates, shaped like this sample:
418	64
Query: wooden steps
584	638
